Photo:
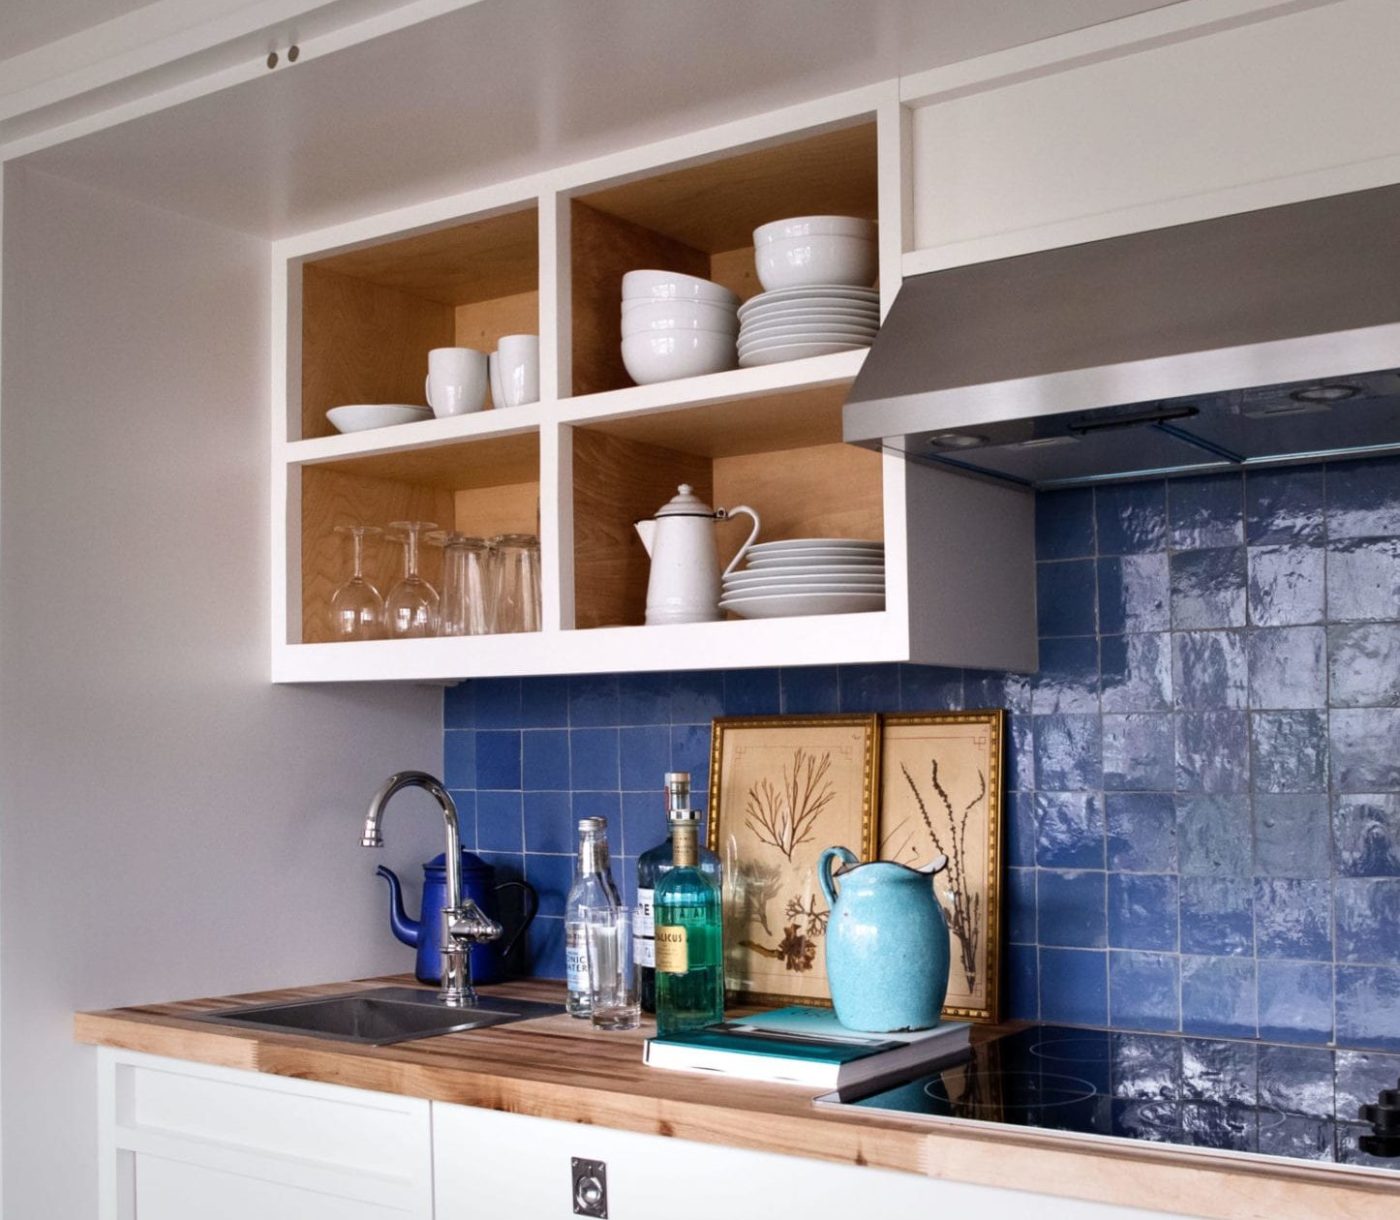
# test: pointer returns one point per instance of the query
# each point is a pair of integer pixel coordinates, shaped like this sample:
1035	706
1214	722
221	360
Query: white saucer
363	416
734	585
802	332
784	605
780	546
810	292
795	351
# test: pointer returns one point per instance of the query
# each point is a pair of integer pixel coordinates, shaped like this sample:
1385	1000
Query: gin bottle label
672	949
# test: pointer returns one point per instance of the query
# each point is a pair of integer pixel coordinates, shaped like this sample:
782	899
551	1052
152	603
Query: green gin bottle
689	936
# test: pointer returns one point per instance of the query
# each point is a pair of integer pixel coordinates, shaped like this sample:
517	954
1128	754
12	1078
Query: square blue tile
1288	751
459	758
1068	680
544	948
1144	991
1364	664
1139	752
1214	835
544	703
869	688
545	757
1071	908
1363	579
995	688
593	701
1217	915
1287	585
1208	588
1069	830
1065	597
752	692
697	696
1135	673
1366	832
1068	752
1205	511
509	865
1022	981
1361	1075
499	823
1218	996
1134	593
605	805
643	821
809	691
1368	920
1020	753
1131	518
497	758
1363	498
1074	986
1288	667
1019	821
459	706
1142	911
1368	1007
1284	506
1020	906
1295	1002
1365	749
930	688
1293	918
593	760
1141	831
1212	752
1064	523
1290	835
466	817
645	755
1219	1071
1210	670
549	824
690	751
497	703
1297	1079
552	878
643	698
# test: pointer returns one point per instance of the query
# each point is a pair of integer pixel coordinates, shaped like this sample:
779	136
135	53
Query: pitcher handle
728	514
824	874
532	906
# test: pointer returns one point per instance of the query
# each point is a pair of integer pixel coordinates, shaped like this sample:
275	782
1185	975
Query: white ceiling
26	24
507	87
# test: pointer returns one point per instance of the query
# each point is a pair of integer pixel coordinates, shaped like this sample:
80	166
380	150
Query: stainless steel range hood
1249	340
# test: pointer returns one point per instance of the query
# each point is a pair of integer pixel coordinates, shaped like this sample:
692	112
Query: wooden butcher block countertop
559	1067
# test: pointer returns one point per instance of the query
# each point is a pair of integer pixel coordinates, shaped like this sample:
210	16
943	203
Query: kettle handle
728	514
532	906
824	874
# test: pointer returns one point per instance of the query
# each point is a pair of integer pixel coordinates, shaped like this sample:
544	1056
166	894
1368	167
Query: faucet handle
469	924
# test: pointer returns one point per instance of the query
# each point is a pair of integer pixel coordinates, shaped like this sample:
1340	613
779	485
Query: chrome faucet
463	922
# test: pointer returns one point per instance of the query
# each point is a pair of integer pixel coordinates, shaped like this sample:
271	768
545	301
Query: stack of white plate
790	323
807	576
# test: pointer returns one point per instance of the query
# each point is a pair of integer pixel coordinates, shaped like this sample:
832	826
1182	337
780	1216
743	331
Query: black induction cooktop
1306	1103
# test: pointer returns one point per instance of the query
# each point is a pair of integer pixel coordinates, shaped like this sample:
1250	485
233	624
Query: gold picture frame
782	790
941	776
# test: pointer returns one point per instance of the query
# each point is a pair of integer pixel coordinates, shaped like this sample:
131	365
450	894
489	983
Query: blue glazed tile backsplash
1203	805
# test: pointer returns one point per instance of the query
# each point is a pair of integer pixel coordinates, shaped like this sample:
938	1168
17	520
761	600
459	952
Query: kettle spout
934	866
647	531
407	930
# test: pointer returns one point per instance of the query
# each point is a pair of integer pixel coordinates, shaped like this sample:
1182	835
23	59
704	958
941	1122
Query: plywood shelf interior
483	487
371	315
700	220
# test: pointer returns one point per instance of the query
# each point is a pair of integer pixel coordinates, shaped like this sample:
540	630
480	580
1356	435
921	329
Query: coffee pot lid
685	503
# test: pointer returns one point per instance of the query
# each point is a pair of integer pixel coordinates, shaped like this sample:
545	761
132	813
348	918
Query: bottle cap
677	777
592	825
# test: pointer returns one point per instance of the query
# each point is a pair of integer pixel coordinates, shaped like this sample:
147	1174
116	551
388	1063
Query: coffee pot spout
408	930
646	530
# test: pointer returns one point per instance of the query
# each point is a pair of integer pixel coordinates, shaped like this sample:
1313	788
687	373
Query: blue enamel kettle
480	885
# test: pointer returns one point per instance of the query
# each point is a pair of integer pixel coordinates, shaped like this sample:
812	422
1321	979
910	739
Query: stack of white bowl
676	325
817	271
807	576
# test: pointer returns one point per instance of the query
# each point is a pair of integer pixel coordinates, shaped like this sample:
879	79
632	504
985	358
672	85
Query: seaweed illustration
964	915
797	951
784	816
755	886
809	913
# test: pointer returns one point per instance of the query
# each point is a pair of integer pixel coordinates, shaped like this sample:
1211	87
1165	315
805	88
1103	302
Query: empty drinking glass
465	607
614	999
411	609
357	610
516	582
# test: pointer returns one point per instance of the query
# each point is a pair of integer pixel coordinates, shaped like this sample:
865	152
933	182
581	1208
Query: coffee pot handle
531	904
824	873
728	514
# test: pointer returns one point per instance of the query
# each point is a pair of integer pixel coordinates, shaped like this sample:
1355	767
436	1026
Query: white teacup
518	370
456	382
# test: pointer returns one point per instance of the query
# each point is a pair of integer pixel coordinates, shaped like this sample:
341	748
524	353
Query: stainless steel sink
380	1016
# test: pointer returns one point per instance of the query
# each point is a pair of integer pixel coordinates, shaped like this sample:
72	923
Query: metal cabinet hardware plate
590	1187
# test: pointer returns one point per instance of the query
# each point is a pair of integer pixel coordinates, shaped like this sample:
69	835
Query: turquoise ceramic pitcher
886	943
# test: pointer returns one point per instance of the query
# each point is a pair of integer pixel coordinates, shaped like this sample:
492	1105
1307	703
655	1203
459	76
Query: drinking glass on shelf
411	609
614	999
357	610
515	582
465	607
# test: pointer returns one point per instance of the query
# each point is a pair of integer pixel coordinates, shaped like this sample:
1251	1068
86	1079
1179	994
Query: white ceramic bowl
793	262
673	286
665	355
814	226
363	416
678	315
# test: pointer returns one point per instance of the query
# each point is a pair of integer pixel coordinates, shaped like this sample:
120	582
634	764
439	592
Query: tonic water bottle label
576	966
643	930
672	956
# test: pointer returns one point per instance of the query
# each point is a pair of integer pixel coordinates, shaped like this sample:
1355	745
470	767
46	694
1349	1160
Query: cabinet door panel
173	1190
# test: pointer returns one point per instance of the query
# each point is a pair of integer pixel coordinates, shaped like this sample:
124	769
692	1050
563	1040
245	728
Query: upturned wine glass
357	609
411	609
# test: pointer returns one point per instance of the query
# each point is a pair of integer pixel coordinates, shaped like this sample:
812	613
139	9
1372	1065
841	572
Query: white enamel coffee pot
685	579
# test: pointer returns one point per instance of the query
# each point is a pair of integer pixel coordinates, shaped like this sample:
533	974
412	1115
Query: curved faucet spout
373	837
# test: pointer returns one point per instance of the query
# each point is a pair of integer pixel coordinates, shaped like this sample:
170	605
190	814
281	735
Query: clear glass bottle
593	890
689	937
652	865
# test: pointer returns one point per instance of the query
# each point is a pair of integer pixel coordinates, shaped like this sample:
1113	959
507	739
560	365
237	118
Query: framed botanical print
940	794
782	790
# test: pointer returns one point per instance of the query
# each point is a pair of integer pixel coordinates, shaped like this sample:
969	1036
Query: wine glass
357	610
466	596
411	609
